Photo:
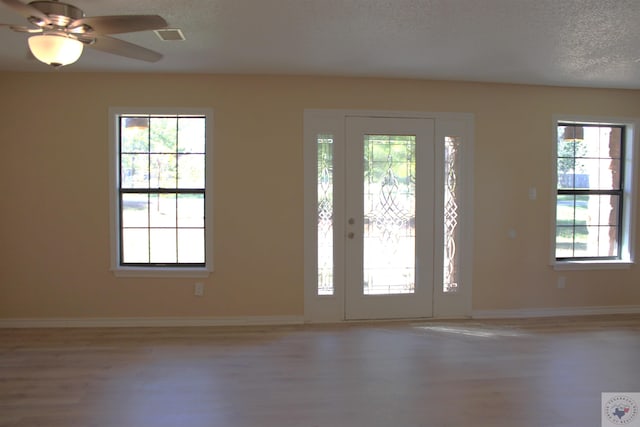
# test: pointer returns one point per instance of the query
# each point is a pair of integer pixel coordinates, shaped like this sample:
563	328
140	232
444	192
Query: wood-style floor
542	373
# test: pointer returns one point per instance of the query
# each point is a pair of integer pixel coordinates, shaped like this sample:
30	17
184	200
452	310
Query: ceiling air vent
170	34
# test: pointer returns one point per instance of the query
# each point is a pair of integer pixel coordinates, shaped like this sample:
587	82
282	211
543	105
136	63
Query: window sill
592	265
160	272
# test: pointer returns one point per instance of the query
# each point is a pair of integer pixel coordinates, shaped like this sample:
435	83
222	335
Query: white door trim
330	308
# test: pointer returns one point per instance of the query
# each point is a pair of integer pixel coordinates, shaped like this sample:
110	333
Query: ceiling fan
60	31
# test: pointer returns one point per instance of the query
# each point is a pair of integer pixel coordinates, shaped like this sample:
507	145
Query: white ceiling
592	43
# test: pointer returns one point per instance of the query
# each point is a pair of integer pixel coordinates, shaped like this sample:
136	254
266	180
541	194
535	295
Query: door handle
350	235
351	221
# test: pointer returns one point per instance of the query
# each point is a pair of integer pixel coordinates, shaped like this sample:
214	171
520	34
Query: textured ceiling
552	42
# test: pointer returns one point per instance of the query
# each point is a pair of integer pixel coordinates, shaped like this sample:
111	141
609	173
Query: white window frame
114	214
627	253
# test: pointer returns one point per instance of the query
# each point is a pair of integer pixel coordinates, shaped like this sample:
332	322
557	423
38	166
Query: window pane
587	226
611	143
191	172
609	242
162	210
581	246
582	213
163	171
325	214
610	174
593	162
190	210
565	210
612	237
609	210
571	132
134	139
586	173
389	214
564	241
597	174
565	173
162	245
571	220
451	214
134	171
191	245
561	135
135	245
600	209
566	149
163	133
600	241
191	135
135	210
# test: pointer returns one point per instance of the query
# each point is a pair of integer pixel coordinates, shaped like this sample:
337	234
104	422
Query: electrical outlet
562	282
198	289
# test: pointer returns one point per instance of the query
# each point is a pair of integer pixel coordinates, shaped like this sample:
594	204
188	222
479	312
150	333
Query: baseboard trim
139	322
553	312
136	322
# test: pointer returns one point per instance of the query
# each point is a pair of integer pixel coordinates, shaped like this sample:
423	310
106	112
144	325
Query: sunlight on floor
473	332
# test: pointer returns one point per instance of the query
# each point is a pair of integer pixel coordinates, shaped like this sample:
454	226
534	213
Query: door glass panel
450	214
389	214
325	214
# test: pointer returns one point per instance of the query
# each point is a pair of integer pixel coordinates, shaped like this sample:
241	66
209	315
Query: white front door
389	218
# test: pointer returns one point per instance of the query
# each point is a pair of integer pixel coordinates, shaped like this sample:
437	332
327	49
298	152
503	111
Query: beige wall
54	229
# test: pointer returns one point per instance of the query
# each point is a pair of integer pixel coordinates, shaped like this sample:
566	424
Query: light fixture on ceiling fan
61	31
55	50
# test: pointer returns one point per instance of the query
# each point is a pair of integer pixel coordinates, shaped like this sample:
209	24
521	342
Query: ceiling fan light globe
56	50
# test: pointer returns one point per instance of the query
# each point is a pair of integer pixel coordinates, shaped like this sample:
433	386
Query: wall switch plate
198	289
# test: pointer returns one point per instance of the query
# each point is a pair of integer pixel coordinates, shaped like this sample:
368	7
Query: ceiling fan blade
26	10
123	48
22	29
118	24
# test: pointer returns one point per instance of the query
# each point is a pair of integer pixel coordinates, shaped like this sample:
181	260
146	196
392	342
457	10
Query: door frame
331	308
